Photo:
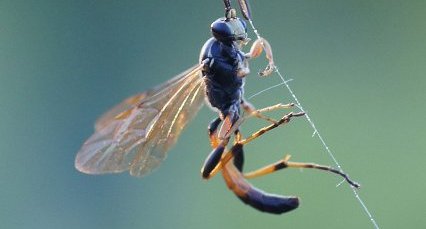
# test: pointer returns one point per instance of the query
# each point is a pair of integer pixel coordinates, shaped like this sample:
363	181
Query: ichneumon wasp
136	134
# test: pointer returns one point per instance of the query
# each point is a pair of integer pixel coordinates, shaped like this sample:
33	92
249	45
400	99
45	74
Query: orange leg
226	157
285	163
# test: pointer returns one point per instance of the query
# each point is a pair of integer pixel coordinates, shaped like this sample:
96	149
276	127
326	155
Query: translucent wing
136	134
110	115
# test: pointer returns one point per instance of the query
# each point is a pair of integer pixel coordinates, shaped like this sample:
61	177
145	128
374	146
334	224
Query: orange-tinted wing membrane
136	134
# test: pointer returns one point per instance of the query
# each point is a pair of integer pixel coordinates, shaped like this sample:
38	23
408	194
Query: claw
267	71
298	114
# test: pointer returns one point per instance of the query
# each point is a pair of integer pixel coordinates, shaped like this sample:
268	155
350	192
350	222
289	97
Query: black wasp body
224	88
224	69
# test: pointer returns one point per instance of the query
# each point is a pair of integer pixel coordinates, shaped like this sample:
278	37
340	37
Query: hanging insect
137	134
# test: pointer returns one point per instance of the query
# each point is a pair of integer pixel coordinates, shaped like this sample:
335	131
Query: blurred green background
358	68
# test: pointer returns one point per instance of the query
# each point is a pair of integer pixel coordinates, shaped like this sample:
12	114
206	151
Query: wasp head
230	29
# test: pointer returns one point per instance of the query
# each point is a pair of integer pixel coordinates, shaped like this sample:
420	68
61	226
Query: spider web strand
316	131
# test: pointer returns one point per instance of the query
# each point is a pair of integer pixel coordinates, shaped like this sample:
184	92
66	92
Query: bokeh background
358	68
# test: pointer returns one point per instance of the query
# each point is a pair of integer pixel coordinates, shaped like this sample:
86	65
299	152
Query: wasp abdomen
254	197
270	203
